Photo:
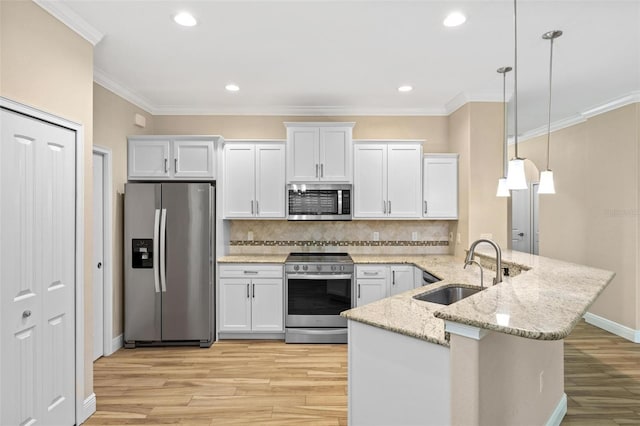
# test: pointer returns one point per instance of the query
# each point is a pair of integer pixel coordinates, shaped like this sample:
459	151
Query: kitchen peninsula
494	358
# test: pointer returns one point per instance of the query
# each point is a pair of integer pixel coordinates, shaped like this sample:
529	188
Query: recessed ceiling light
454	19
185	19
405	88
232	87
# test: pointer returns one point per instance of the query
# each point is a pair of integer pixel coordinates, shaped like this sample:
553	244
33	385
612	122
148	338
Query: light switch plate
376	236
250	236
414	236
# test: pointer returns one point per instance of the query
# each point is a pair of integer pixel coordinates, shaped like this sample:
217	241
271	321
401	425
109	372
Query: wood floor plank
271	383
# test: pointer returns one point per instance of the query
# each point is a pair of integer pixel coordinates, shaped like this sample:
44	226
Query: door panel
142	301
193	159
303	151
270	187
521	220
98	247
148	158
404	181
267	312
370	180
186	301
235	304
335	154
239	180
37	271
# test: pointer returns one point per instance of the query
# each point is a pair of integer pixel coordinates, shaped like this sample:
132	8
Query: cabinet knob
26	314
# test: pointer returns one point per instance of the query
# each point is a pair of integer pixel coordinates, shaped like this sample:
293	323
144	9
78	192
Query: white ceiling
348	57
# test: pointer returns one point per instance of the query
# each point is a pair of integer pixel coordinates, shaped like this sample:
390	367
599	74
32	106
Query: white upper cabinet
319	152
253	184
440	186
387	179
171	157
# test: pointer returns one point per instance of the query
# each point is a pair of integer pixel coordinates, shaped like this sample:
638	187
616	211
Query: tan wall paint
432	129
475	132
496	380
46	65
593	217
113	122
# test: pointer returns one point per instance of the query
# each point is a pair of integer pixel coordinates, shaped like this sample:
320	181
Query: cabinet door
440	187
335	154
270	185
370	289
404	180
402	279
148	159
267	312
193	159
239	180
303	154
370	180
235	304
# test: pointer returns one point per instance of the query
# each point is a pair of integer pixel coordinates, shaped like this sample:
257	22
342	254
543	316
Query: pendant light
503	191
515	171
546	177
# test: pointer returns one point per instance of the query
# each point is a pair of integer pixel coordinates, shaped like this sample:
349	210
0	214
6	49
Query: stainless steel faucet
469	262
471	253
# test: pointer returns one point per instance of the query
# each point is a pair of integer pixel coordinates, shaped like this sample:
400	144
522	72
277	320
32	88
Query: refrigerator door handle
163	240
156	245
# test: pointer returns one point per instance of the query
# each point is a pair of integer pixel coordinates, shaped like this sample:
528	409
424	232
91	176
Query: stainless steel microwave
319	201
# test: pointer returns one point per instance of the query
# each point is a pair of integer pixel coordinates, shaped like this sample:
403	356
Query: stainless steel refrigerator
169	243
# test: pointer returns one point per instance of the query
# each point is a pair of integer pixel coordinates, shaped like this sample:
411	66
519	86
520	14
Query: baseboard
559	412
613	327
117	343
88	408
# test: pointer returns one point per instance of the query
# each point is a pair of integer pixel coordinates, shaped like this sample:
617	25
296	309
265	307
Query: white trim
559	412
465	330
293	110
107	242
117	343
79	230
101	78
319	124
71	19
389	140
88	407
613	327
464	98
563	123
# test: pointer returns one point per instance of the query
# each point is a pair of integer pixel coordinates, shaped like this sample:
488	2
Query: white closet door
98	256
37	244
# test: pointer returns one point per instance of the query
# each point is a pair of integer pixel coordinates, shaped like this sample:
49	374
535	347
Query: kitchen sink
447	295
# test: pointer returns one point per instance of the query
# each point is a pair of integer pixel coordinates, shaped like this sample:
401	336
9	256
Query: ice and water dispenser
142	256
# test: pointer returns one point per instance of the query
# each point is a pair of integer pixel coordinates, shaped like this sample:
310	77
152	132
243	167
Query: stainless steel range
318	287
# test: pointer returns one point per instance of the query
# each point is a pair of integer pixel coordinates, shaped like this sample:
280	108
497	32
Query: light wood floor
270	383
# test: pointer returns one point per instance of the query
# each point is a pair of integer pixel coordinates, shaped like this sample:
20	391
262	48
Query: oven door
316	300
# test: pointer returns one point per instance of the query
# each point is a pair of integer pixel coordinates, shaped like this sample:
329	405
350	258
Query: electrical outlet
541	381
414	236
451	236
486	236
250	236
459	238
376	236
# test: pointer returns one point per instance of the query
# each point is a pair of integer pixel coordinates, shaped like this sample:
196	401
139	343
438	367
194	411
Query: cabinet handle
257	208
248	291
369	273
175	165
250	272
321	170
389	206
358	291
316	170
251	206
384	207
425	207
393	277
253	291
166	165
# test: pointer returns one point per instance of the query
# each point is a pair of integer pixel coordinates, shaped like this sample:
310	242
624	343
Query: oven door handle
320	276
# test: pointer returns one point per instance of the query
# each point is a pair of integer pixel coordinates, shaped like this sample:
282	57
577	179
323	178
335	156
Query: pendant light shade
515	174
546	183
503	189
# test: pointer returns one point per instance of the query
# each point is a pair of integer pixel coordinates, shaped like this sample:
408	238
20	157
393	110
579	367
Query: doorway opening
525	214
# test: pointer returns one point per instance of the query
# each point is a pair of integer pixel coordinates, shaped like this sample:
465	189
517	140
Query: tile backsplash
357	237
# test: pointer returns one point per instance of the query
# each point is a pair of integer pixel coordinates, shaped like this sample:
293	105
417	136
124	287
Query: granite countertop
543	302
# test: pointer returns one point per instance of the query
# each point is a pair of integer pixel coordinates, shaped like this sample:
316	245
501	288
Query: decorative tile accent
300	243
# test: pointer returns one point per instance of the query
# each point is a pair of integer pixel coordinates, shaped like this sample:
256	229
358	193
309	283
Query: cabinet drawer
377	271
251	270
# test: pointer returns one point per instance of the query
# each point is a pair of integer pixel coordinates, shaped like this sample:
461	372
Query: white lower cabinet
375	282
251	299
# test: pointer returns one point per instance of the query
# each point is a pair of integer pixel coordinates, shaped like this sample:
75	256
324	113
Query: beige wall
433	130
113	122
45	65
475	132
593	217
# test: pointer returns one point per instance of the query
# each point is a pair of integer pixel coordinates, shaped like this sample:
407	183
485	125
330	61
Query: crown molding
563	123
464	98
101	78
320	111
71	19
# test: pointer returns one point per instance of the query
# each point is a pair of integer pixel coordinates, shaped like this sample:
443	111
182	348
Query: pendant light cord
549	118
505	147
515	75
